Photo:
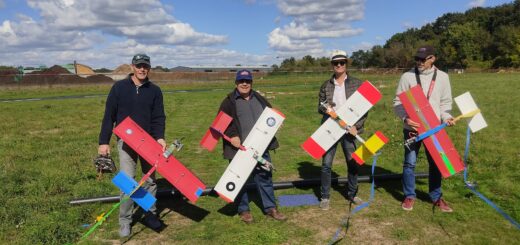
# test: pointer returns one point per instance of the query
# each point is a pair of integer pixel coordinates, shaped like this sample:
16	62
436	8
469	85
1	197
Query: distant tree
360	58
288	64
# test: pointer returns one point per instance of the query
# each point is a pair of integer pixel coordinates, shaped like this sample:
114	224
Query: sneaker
125	230
275	214
408	204
356	200
152	221
443	206
325	204
246	217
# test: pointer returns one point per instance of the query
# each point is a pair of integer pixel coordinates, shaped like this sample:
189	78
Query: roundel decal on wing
230	186
129	131
271	121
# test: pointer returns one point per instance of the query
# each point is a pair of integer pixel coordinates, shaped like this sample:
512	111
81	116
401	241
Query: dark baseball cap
244	75
141	59
424	52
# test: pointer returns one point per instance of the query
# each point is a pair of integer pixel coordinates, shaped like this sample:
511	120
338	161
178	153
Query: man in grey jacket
436	86
335	92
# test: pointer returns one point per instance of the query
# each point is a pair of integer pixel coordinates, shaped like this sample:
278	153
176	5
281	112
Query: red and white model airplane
343	118
250	152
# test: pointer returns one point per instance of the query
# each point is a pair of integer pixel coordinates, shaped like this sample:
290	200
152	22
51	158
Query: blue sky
204	33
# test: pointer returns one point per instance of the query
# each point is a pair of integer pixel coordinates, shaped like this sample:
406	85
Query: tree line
479	38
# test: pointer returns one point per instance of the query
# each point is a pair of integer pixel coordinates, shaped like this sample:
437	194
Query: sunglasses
139	66
341	63
417	59
244	81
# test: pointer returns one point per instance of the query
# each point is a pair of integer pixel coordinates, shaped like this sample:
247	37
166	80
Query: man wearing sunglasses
335	92
137	97
436	86
245	105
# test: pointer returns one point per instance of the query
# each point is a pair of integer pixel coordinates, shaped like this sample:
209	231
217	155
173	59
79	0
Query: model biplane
250	153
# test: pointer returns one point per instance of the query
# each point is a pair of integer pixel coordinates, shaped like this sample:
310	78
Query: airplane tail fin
210	139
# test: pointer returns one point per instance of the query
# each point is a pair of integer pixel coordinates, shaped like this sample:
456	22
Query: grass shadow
177	203
309	171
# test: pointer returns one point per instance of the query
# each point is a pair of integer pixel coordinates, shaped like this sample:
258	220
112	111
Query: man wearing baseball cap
245	106
335	92
135	96
436	86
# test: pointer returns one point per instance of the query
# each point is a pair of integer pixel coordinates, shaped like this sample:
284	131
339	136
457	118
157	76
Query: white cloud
476	3
313	21
144	20
76	29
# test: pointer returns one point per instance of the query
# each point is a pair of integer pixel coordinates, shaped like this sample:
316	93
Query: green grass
47	147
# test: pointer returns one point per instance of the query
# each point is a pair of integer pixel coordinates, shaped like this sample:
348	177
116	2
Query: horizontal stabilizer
210	139
371	146
143	198
466	104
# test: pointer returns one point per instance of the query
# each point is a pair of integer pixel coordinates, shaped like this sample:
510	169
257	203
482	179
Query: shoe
246	217
125	230
325	204
356	200
152	222
275	214
408	204
443	206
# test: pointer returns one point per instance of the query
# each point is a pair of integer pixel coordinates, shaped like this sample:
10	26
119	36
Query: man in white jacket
436	86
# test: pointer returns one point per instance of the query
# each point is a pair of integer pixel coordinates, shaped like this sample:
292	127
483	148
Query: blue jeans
348	146
410	160
128	163
264	185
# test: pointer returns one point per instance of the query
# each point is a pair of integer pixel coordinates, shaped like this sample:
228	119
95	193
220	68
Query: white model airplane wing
330	131
243	163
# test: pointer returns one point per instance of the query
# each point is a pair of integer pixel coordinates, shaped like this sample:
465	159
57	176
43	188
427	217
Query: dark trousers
348	146
264	185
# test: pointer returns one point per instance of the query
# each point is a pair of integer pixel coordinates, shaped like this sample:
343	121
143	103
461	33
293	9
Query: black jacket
228	106
143	104
327	94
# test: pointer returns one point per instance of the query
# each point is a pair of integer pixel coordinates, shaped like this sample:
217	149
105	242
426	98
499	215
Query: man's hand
104	149
450	122
411	123
162	142
352	130
235	141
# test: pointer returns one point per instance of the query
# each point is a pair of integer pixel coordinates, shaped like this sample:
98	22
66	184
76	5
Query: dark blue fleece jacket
144	104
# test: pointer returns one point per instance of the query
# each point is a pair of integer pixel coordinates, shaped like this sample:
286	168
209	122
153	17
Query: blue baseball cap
244	75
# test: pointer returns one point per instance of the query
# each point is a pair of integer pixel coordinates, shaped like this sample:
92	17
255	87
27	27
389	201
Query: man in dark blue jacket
137	97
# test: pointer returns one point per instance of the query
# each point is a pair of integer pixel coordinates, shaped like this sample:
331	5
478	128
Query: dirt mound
99	79
84	70
7	75
54	70
123	69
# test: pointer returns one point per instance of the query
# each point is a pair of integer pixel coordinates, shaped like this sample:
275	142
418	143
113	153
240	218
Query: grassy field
47	149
